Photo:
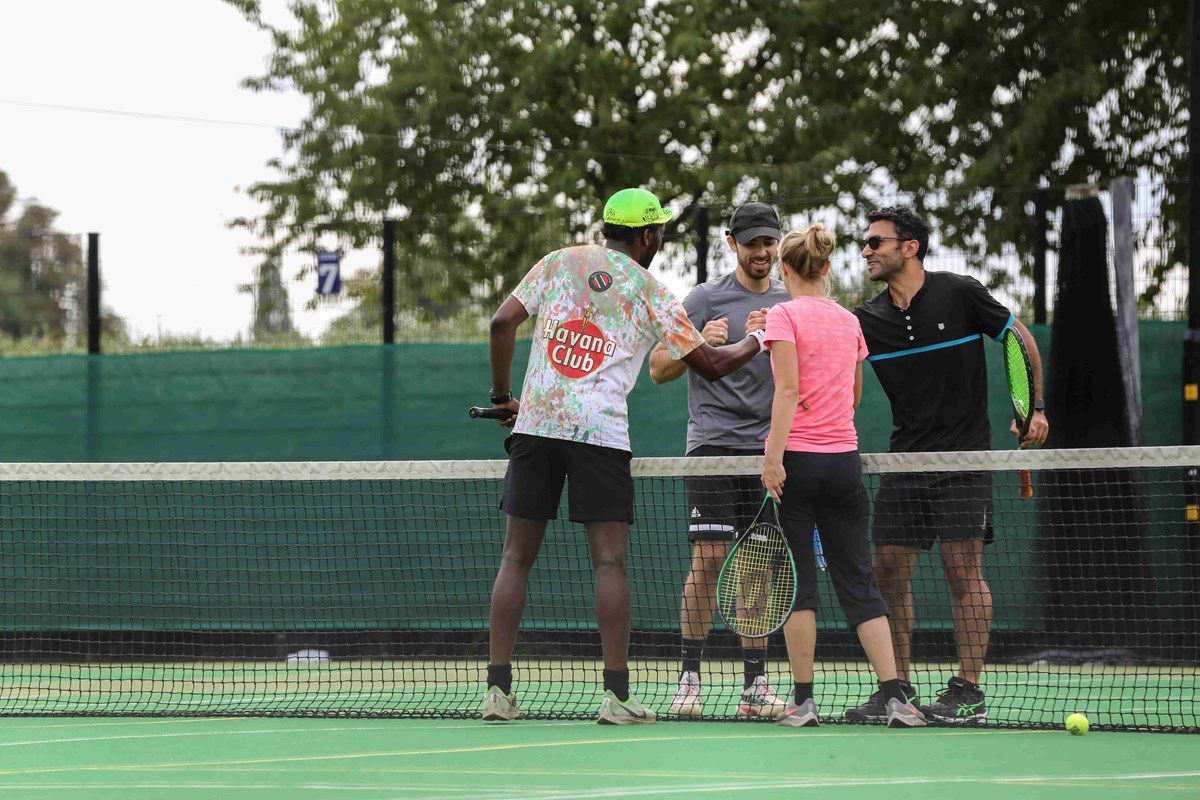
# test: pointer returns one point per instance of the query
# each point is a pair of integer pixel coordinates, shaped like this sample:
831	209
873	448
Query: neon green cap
634	208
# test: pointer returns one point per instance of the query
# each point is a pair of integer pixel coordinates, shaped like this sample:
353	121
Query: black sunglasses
873	241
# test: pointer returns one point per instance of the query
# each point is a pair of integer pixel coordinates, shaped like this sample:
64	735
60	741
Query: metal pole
701	244
387	364
91	445
1040	226
389	281
93	294
1191	345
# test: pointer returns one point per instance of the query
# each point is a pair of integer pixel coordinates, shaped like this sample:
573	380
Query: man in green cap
599	312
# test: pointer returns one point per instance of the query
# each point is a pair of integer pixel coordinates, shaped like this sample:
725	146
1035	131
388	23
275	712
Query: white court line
325	788
262	731
484	728
1049	780
610	792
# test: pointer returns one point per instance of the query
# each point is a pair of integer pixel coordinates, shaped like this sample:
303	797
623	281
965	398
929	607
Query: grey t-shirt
735	411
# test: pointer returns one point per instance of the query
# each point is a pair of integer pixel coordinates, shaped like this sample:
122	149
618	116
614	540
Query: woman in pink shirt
813	470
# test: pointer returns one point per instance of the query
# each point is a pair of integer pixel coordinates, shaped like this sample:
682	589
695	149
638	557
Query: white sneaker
760	700
630	712
500	706
687	701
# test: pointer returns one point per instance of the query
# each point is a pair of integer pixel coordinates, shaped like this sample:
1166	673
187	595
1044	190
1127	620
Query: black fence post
93	347
1191	350
701	244
1040	229
93	294
389	281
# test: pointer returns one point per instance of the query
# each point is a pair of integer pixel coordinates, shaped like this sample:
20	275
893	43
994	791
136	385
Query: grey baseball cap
751	220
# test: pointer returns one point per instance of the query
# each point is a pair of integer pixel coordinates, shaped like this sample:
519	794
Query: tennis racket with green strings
1019	370
757	586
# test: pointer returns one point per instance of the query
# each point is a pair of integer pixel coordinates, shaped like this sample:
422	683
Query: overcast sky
159	192
90	125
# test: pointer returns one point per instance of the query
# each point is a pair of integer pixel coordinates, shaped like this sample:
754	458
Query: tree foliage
461	118
42	275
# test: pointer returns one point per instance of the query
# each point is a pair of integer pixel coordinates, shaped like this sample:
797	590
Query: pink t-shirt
829	343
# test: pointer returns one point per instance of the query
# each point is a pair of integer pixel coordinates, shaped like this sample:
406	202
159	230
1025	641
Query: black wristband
501	399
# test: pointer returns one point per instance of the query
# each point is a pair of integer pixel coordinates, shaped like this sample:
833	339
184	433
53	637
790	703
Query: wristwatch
1039	404
501	399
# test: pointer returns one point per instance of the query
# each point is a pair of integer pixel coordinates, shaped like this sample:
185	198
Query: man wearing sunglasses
925	335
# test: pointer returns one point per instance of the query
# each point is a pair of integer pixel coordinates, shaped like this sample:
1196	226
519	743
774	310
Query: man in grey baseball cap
751	220
729	417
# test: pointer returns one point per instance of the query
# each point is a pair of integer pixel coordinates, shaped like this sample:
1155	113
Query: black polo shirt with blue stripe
930	361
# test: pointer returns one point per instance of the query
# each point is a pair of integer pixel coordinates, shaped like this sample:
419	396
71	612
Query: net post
701	244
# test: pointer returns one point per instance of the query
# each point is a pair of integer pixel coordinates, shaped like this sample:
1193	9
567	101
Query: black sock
755	664
692	650
892	689
617	682
802	692
500	676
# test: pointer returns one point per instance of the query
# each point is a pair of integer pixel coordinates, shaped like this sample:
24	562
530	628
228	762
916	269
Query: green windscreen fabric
405	402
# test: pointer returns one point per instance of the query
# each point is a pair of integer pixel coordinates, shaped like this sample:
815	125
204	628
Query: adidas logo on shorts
695	513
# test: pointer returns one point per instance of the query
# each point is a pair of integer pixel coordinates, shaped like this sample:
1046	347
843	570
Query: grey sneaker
799	716
500	706
630	712
904	715
875	710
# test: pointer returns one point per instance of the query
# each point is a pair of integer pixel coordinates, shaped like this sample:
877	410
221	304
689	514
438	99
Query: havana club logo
576	347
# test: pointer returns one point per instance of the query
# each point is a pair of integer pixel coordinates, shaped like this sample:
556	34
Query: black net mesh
363	588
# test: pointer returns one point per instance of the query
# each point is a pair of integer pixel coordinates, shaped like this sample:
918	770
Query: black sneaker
875	710
960	703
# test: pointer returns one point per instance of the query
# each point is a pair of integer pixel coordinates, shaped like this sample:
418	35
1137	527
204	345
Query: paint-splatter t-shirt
598	314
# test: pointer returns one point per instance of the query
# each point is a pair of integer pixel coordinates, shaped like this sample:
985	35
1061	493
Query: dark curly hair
908	225
623	233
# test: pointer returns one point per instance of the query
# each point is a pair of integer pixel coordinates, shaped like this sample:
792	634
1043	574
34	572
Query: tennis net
362	589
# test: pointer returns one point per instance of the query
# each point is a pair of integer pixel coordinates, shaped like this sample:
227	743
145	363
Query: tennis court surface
266	759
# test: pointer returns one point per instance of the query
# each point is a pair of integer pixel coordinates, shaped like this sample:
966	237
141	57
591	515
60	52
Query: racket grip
490	413
1026	484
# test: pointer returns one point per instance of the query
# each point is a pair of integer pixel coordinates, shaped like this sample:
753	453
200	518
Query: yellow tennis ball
1077	724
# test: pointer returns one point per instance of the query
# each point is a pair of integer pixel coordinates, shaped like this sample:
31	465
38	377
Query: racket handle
1026	485
490	413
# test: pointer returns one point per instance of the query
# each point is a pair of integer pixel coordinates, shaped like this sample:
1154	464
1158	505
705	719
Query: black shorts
600	488
721	506
825	490
914	510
